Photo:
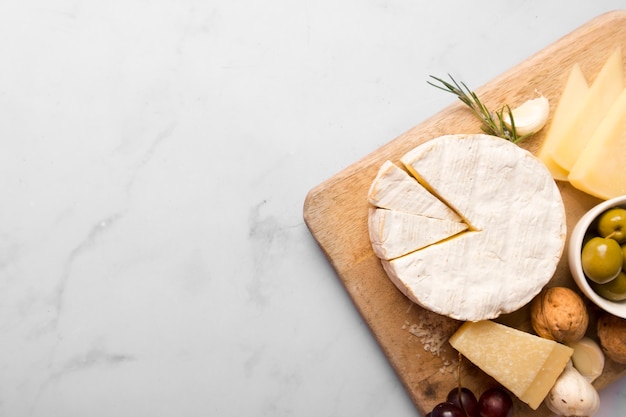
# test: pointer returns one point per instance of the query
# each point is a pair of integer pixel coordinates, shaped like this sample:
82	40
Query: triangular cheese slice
603	92
394	189
567	109
396	233
601	169
526	364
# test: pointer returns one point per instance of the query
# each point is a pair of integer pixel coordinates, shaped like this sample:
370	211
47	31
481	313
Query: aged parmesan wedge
602	94
394	189
527	365
396	233
565	113
515	236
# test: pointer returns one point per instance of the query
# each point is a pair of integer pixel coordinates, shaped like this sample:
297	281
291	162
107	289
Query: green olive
602	259
614	290
624	257
612	223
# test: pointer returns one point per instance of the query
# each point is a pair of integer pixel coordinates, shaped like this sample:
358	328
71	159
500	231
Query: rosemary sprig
492	122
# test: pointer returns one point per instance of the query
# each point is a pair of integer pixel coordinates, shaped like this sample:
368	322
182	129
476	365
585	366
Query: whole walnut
560	314
612	335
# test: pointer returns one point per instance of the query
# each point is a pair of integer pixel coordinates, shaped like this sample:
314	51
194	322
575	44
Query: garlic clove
572	395
587	358
530	117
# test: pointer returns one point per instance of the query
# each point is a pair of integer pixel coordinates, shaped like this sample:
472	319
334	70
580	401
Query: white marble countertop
154	159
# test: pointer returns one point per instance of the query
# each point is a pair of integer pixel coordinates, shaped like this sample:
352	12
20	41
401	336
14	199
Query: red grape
495	402
465	399
447	410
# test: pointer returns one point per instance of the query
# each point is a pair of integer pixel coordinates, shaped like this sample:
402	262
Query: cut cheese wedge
525	364
602	94
601	169
515	228
566	111
396	233
394	189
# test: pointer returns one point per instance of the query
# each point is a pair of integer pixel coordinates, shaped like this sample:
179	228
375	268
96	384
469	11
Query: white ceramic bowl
575	246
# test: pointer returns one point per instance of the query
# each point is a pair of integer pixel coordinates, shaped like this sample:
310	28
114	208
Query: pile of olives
461	402
603	256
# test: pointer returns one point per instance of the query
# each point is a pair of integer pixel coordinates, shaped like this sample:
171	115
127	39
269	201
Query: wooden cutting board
413	339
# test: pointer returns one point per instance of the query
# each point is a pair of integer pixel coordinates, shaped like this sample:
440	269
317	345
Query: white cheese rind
396	233
394	189
517	232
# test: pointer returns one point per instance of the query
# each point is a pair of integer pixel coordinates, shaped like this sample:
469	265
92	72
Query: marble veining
154	160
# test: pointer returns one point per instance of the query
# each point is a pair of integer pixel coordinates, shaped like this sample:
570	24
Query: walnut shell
560	314
612	335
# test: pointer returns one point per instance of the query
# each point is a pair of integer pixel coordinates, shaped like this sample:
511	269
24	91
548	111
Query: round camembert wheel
471	226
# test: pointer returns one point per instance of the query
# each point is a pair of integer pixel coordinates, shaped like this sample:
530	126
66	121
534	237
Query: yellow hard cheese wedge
527	365
601	168
567	108
602	94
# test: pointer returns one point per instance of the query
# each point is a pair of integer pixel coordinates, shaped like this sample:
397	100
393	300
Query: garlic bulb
573	395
